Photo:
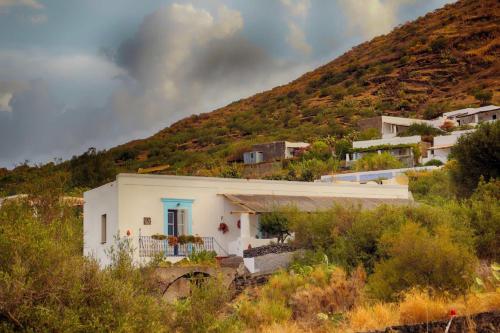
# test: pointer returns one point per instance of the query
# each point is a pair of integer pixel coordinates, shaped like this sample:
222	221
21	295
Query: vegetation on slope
445	60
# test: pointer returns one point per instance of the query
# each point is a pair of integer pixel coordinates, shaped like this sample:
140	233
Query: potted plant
159	237
172	241
223	227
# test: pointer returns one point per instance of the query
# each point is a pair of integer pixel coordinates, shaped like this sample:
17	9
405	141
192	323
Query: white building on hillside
441	147
223	212
473	116
400	147
390	127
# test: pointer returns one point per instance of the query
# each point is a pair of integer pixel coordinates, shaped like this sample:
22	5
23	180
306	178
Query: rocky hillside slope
447	59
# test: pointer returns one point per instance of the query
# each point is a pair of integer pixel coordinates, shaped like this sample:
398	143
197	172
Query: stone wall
272	151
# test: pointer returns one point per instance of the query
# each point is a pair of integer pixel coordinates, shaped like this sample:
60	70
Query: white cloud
38	19
370	17
297	39
21	3
298	8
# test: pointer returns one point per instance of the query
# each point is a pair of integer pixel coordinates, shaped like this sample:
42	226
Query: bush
438	44
46	284
483	96
435	110
200	312
421	129
275	224
376	161
431	186
483	211
477	154
415	257
433	162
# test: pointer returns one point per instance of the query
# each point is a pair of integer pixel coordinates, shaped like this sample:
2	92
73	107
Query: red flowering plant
172	241
223	227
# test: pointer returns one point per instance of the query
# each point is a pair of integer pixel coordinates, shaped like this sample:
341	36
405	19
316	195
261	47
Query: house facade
222	213
400	147
273	151
473	116
442	145
390	127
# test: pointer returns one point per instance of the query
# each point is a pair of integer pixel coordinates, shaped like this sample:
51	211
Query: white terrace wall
99	201
133	197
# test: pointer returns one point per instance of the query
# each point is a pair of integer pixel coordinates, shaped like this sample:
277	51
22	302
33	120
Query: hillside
444	60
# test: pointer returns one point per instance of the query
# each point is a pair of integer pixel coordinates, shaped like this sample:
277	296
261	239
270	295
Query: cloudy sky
82	73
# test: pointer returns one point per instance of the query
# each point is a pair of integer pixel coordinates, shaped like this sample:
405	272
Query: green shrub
435	110
415	257
421	129
438	44
201	311
483	96
275	224
203	257
483	212
477	154
431	186
46	284
376	161
433	162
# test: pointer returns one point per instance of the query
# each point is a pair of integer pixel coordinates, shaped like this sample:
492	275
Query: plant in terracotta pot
172	241
183	239
159	237
198	240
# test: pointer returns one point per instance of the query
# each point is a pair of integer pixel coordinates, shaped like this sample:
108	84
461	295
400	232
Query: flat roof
247	180
263	203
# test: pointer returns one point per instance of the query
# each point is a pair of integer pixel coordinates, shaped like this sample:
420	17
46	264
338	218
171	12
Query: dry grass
418	307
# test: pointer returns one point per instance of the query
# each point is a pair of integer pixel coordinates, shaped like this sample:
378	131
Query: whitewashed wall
138	196
101	200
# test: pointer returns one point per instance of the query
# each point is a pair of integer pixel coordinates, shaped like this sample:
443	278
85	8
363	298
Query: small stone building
273	151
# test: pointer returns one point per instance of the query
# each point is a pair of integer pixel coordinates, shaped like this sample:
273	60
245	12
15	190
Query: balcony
149	247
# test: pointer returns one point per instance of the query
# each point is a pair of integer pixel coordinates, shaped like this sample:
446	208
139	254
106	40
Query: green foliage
376	161
433	162
435	110
477	154
275	224
200	312
46	284
318	150
203	257
438	44
416	257
483	212
431	186
421	129
231	171
91	169
483	96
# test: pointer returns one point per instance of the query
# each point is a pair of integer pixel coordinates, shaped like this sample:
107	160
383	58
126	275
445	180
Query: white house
273	151
390	127
473	116
399	147
442	144
223	212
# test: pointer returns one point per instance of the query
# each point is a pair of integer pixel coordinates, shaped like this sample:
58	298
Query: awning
262	203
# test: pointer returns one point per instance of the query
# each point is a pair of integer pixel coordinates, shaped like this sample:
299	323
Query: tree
477	154
275	224
483	96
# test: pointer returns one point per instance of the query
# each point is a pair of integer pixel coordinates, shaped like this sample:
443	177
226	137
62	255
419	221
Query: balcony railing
149	247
